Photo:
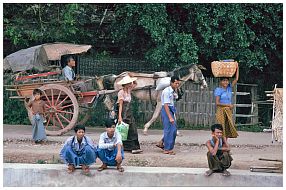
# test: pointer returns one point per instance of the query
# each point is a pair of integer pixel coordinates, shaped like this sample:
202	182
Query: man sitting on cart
69	74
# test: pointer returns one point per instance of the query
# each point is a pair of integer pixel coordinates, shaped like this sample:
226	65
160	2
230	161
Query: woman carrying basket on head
224	106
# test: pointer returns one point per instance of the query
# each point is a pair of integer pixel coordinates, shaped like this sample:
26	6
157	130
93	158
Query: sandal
160	145
209	172
169	152
120	169
166	152
71	168
102	167
225	173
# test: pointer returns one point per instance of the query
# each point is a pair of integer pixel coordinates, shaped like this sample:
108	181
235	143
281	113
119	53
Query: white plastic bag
162	83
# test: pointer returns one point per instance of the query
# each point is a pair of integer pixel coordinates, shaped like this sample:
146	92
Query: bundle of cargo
224	68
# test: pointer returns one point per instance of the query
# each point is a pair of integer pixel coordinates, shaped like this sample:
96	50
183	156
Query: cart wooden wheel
84	115
62	109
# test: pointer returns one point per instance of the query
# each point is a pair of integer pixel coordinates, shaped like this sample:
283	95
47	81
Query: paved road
190	149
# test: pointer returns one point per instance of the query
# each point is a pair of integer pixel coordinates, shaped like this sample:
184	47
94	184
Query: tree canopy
163	34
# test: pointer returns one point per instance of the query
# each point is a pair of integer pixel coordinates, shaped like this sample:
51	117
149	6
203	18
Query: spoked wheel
61	109
84	115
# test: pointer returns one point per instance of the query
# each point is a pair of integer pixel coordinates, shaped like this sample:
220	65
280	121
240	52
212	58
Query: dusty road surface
190	148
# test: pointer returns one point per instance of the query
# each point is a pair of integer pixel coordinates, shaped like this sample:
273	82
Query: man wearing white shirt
78	150
68	72
110	149
69	75
168	115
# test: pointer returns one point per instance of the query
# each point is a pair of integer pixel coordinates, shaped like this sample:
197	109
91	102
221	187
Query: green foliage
153	34
192	33
164	34
186	47
102	56
155	26
28	24
14	111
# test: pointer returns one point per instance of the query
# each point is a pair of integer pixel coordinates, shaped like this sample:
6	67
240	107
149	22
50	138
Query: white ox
146	84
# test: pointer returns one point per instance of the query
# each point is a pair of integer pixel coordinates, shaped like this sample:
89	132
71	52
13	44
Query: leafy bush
14	111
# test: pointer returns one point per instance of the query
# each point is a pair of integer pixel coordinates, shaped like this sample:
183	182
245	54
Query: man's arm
118	138
166	101
166	107
103	145
225	147
118	155
118	144
212	150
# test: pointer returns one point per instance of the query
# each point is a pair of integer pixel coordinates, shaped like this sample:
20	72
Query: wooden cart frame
63	101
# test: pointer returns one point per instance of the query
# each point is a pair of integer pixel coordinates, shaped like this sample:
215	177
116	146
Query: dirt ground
190	149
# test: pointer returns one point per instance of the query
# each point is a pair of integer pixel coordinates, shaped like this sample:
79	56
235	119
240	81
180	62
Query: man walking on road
168	115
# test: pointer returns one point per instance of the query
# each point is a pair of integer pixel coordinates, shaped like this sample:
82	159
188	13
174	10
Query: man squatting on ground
110	150
219	158
79	150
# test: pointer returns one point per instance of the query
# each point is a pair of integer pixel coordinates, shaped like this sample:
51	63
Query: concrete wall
53	175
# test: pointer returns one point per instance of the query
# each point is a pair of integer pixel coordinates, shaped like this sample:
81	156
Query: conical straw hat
127	79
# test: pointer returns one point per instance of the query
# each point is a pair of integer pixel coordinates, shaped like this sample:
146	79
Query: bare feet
120	168
71	168
209	172
85	170
225	173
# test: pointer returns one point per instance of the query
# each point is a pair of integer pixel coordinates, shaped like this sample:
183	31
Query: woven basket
224	68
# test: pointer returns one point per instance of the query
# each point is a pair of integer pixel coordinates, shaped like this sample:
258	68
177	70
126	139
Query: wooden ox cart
63	100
